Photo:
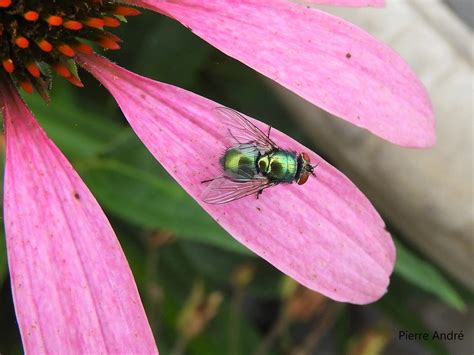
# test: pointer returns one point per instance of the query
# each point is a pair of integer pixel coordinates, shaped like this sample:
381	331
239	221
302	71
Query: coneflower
37	37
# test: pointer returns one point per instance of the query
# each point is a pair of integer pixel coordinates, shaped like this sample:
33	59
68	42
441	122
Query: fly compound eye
303	178
305	157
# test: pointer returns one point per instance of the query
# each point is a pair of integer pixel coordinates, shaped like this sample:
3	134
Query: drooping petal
345	3
72	287
325	234
326	60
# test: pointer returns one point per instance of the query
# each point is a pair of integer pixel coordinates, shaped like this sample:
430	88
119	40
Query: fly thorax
282	166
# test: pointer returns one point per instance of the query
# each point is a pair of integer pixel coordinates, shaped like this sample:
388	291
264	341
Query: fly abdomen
240	163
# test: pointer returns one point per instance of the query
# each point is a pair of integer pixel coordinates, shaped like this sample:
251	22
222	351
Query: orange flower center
38	35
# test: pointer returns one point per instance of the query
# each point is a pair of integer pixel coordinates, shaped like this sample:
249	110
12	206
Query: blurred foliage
425	276
191	273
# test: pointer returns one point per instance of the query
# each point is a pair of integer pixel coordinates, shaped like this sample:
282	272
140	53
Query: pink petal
73	290
325	234
346	3
324	59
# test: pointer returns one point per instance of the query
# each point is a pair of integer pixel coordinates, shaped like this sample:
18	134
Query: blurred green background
203	292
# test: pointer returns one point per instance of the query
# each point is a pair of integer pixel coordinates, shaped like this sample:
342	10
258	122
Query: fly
253	162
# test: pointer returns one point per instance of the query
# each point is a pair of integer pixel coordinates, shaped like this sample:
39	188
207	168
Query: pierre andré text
435	335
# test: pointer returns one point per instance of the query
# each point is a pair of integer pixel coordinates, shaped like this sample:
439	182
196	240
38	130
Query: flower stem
180	345
280	325
320	328
234	322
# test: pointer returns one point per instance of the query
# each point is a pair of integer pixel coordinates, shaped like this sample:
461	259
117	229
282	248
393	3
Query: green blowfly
253	162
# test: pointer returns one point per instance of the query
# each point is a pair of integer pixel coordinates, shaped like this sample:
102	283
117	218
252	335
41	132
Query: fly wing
223	189
244	174
242	131
248	148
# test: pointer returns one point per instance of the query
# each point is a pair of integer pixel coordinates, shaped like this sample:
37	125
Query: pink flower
72	287
322	58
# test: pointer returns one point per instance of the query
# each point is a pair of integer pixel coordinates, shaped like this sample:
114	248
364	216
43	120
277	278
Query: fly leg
230	133
204	181
259	192
268	133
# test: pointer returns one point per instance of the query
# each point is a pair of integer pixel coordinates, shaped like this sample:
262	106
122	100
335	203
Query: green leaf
77	131
426	276
229	332
152	202
170	45
217	271
134	251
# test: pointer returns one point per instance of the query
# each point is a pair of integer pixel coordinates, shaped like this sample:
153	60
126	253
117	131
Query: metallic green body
240	163
245	162
253	163
279	165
